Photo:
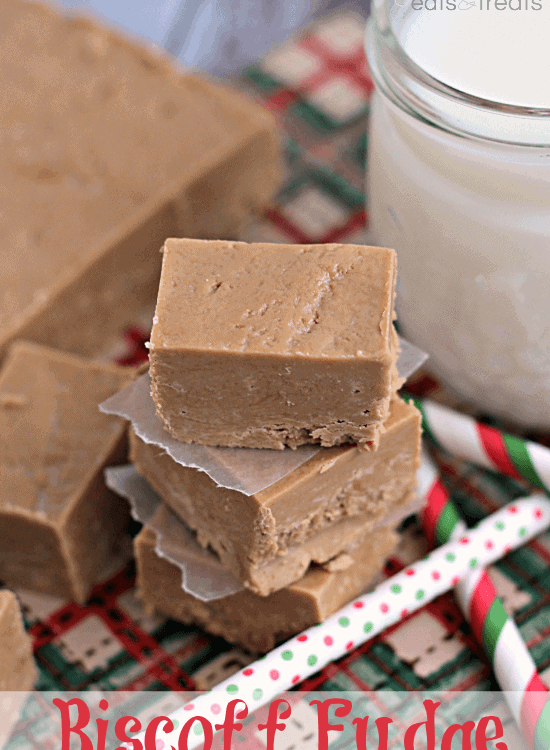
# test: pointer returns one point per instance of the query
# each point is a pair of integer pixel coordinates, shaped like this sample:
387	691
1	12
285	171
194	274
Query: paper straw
513	666
484	446
370	614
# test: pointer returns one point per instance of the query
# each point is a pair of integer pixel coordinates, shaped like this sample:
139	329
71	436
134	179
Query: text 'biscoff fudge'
258	623
108	148
323	507
266	345
59	524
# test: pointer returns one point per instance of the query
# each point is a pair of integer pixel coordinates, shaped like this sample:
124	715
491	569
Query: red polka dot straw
365	618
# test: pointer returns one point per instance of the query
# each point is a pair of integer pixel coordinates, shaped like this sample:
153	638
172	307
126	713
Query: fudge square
268	539
59	524
255	622
17	667
266	345
95	173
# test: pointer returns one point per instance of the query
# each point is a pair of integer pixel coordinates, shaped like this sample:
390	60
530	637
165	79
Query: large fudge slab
17	667
258	623
268	539
266	345
59	524
107	149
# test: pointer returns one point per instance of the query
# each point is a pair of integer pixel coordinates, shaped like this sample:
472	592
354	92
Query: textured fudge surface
262	345
17	667
58	521
103	140
250	534
258	623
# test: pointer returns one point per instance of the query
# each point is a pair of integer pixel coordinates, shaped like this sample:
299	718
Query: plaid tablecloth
318	86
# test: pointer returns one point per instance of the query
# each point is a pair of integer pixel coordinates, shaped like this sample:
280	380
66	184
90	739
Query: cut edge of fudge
18	669
93	520
343	537
115	447
399	413
248	619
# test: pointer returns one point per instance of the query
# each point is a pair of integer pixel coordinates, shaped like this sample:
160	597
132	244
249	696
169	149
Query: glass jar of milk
459	185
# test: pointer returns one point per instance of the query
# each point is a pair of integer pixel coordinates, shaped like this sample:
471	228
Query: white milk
502	55
469	216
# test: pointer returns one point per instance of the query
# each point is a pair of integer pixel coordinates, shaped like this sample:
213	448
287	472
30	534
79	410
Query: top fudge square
266	345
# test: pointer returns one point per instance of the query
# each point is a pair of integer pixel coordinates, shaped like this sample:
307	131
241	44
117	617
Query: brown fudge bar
265	345
258	623
17	667
268	539
59	524
107	149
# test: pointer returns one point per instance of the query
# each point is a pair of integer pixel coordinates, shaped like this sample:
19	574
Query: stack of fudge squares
273	347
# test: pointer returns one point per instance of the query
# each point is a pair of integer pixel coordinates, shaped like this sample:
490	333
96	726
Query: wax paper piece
203	575
247	470
410	358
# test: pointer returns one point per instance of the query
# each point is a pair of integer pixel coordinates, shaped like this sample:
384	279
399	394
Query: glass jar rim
432	102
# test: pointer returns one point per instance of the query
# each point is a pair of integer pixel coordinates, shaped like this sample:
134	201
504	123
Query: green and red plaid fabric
319	87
